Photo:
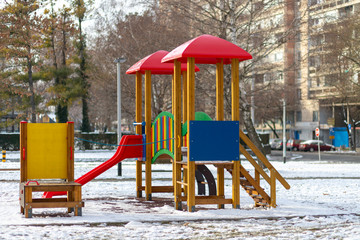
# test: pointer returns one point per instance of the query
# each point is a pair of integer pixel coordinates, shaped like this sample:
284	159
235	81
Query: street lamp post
118	61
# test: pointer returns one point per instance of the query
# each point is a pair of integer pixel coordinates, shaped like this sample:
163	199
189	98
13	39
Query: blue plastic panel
214	141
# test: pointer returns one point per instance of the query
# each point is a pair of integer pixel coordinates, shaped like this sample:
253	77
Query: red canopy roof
153	63
207	49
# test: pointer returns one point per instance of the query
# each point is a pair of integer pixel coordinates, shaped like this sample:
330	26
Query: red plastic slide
130	147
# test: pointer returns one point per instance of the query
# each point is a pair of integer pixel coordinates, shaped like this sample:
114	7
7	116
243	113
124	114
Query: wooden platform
72	202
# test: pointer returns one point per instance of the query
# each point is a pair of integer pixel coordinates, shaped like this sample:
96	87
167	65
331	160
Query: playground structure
191	139
199	149
47	164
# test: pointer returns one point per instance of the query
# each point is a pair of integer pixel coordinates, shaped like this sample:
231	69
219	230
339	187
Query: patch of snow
321	203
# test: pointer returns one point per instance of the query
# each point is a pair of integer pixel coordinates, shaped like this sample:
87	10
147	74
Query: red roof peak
207	49
153	63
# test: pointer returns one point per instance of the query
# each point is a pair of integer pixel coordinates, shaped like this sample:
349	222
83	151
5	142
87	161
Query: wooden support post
173	93
28	201
77	198
273	187
184	105
23	151
220	91
70	198
184	119
235	116
138	119
220	117
191	116
70	151
148	134
177	132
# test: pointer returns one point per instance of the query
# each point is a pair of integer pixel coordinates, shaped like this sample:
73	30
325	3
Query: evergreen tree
60	29
21	41
81	8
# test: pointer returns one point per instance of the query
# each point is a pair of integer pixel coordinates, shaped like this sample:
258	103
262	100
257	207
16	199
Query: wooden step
261	204
245	183
252	192
259	200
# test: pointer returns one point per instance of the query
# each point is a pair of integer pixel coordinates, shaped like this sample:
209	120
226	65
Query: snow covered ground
323	203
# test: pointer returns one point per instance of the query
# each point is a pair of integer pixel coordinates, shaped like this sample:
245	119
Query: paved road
313	156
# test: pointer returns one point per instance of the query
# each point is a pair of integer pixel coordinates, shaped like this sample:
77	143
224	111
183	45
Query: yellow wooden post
273	187
184	98
23	151
138	119
70	151
148	134
220	117
191	116
173	94
177	132
235	117
184	117
28	201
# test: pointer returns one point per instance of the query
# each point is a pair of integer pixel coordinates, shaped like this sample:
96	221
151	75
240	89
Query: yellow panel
47	151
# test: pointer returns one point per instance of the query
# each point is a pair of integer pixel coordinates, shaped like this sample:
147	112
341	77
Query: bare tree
259	27
132	36
339	66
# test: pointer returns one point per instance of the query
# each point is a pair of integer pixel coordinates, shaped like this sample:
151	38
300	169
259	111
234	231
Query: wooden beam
208	200
219	201
28	201
70	153
191	116
235	116
220	91
23	151
220	117
138	119
184	95
254	163
148	134
273	188
177	132
160	189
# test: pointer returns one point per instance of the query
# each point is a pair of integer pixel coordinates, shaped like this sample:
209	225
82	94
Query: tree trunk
31	88
246	115
85	126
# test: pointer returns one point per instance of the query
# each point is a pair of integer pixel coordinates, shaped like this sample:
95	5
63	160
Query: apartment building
308	65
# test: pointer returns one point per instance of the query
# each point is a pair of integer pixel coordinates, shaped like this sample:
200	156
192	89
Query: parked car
293	144
274	143
279	145
312	145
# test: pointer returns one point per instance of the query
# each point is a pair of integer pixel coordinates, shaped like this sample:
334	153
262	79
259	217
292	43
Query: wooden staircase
252	187
251	184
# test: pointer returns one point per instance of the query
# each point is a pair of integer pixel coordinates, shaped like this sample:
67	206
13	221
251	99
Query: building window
298	94
346	11
298	116
259	78
278	56
315	116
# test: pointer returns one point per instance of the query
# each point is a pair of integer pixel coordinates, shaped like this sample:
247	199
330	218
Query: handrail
254	163
263	159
